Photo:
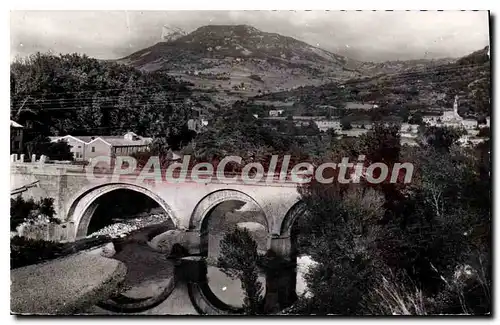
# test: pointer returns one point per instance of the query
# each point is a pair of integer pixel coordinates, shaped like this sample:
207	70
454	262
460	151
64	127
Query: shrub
27	210
239	259
24	251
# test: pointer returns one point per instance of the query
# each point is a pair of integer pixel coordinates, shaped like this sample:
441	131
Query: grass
394	298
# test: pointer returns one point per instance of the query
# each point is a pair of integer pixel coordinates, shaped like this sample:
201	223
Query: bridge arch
209	202
200	216
293	213
84	205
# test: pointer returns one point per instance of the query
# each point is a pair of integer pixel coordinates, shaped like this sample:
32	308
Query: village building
325	125
451	119
361	125
276	112
85	148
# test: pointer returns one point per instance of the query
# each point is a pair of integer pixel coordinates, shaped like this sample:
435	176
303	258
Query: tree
41	145
441	138
416	118
417	234
346	124
239	259
338	232
78	95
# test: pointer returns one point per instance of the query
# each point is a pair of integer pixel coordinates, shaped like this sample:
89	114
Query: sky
362	35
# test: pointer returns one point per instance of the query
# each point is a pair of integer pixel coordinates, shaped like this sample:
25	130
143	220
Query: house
324	125
276	112
16	137
407	128
361	124
197	124
87	147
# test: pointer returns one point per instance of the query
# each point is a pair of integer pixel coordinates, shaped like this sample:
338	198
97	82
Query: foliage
441	138
397	248
346	125
25	210
24	251
41	145
484	132
416	118
416	88
239	259
78	95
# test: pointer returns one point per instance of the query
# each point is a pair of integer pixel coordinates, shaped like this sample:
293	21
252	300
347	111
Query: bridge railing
273	179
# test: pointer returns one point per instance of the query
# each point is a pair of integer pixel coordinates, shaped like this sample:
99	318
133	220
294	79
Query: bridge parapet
100	175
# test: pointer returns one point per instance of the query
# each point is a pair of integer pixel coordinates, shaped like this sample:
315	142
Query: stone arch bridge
188	203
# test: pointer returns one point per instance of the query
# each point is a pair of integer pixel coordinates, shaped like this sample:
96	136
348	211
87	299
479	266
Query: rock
108	250
125	226
164	242
170	33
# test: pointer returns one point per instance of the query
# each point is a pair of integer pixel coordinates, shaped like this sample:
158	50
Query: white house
325	125
409	128
276	112
87	147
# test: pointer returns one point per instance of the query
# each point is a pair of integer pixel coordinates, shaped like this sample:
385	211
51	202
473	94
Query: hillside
428	88
376	68
222	57
234	62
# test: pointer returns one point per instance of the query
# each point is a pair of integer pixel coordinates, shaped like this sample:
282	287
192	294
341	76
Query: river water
149	271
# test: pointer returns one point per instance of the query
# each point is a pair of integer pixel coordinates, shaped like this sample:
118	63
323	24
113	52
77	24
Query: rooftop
129	139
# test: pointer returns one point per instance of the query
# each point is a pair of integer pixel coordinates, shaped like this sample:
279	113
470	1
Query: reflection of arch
206	302
193	273
212	200
122	304
295	211
84	206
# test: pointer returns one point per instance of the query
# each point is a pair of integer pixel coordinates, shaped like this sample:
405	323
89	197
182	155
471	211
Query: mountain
234	62
241	58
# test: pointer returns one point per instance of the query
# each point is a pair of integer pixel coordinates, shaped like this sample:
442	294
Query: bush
27	210
25	251
400	248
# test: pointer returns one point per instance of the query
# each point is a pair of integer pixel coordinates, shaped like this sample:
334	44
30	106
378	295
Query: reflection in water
229	291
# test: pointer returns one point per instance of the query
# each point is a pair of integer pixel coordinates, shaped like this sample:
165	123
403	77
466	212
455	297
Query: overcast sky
367	35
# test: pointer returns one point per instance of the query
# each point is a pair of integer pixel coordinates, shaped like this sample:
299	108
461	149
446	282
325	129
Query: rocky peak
169	33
